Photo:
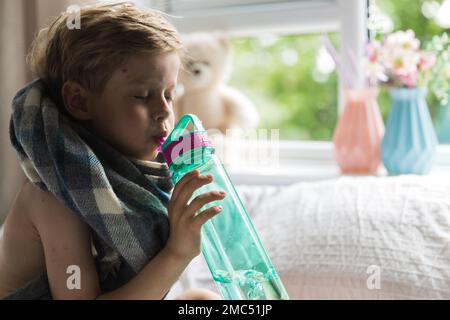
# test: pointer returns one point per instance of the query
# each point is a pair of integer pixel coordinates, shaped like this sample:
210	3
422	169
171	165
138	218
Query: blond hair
108	34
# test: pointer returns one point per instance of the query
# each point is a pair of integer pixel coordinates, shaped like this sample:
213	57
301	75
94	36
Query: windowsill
310	161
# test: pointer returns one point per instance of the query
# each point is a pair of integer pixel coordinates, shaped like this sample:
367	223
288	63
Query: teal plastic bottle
230	245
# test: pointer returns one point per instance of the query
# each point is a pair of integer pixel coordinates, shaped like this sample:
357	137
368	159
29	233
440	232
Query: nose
162	111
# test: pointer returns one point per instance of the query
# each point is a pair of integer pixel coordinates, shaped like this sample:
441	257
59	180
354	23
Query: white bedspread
327	238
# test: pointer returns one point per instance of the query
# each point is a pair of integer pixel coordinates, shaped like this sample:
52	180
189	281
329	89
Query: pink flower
374	71
403	39
427	61
373	51
398	60
409	80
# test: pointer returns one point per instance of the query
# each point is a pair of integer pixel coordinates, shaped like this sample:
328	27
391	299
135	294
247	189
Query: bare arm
153	281
66	240
183	245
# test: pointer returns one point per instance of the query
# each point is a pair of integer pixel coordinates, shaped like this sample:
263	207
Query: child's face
135	108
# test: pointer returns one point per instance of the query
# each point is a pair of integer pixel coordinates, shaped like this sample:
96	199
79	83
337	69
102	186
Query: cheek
135	124
121	121
171	122
137	118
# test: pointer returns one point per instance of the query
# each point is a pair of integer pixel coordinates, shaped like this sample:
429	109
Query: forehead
149	68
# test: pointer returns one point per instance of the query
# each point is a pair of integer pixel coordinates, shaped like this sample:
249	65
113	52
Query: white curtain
20	20
16	29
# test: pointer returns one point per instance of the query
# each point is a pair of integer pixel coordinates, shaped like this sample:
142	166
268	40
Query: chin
151	154
146	153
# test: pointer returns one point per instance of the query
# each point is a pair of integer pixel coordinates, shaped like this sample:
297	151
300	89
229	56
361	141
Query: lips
160	138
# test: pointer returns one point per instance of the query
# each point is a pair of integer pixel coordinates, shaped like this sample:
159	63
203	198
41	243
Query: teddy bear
206	69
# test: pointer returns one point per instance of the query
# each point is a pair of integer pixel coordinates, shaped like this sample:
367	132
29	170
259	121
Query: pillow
352	237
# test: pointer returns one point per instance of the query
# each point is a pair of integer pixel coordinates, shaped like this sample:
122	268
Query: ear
75	98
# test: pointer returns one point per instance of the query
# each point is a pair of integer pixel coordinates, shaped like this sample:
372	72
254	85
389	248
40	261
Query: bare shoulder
51	219
65	240
43	206
36	198
37	227
18	222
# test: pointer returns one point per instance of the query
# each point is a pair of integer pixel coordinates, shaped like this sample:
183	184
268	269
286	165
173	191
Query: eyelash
169	99
141	98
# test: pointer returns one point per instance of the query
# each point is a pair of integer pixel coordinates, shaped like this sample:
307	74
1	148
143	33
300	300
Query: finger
205	215
180	184
203	199
190	187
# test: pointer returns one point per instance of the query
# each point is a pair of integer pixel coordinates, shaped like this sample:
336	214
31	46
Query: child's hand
184	239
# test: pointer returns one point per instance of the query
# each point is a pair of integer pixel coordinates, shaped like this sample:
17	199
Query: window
292	82
280	64
279	60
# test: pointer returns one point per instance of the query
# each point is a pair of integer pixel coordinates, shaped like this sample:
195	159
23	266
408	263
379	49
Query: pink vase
358	133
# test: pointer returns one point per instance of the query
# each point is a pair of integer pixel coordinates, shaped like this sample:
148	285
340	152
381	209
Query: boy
122	94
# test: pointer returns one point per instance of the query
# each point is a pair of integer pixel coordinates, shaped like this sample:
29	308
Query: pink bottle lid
184	144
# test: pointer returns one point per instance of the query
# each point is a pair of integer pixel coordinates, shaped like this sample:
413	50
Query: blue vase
443	124
409	143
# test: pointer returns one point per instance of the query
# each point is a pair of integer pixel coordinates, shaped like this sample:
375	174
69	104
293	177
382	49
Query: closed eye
144	98
148	94
168	98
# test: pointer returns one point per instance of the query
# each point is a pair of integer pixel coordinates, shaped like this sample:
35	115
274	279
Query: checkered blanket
122	199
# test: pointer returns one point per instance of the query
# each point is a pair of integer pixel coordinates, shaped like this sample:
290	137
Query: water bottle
230	245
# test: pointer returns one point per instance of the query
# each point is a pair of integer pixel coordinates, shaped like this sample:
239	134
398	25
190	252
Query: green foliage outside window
279	74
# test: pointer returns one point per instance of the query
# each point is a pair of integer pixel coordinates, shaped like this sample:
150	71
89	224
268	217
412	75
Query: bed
351	237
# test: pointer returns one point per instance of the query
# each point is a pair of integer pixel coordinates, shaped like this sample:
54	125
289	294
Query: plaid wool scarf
122	199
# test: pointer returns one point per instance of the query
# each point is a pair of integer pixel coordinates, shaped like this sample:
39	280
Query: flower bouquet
398	62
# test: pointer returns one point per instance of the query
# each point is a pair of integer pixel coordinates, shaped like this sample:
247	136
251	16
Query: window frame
249	20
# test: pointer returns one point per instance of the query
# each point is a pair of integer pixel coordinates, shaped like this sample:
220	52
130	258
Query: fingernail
222	193
218	208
